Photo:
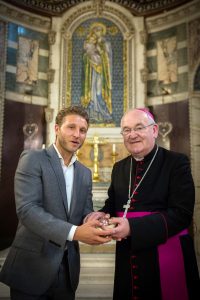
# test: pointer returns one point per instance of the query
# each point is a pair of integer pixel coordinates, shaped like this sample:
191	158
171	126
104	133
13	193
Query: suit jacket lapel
76	188
56	166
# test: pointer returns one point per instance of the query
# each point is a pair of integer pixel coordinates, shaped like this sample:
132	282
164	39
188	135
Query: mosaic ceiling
58	7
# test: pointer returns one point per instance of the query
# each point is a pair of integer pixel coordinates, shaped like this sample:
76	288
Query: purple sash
171	263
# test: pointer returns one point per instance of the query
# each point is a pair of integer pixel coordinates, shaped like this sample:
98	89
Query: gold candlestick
96	142
114	154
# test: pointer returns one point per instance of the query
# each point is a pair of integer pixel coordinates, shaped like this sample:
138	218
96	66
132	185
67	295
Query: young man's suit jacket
45	222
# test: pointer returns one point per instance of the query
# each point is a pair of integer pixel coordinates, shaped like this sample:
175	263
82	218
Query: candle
113	148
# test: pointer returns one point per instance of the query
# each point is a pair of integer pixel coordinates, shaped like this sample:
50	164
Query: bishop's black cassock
157	261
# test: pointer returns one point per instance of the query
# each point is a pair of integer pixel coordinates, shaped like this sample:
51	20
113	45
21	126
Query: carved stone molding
144	74
122	17
50	75
143	37
49	118
172	17
108	11
98	7
80	12
9	12
49	114
52	37
136	7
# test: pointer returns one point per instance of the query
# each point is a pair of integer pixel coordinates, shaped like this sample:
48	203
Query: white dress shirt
68	172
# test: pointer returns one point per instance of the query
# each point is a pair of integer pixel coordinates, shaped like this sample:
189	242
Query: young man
53	193
151	198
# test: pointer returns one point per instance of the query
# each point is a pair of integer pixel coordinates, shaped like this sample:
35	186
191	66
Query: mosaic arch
96	69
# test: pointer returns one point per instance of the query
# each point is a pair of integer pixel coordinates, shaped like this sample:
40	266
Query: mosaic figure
97	75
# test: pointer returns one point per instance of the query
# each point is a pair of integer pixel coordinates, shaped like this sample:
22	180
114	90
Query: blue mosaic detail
117	67
12	32
11	56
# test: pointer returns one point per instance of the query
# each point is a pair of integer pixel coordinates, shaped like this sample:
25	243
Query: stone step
97	272
96	276
94	291
97	260
96	281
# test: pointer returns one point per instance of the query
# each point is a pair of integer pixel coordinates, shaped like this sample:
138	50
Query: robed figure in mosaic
97	75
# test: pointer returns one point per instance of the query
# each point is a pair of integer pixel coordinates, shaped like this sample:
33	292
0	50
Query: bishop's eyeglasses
126	130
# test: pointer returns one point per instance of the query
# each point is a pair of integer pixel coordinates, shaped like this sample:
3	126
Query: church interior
154	62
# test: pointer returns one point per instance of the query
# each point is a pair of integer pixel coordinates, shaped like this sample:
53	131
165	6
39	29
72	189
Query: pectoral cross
126	206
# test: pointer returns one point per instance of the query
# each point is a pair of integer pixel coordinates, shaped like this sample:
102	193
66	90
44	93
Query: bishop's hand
121	230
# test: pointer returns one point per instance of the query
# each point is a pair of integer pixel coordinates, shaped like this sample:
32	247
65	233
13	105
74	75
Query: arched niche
131	30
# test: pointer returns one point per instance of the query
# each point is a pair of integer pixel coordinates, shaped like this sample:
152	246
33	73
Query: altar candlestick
114	154
113	148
